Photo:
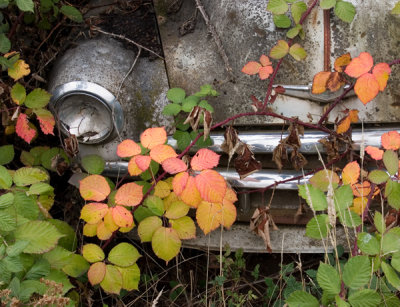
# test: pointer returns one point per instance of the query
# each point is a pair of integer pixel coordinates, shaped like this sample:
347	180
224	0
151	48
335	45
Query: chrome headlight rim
97	92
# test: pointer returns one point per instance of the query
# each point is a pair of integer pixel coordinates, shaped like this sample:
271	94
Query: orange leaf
353	115
381	72
128	148
174	165
162	152
366	88
230	196
208	216
334	82
46	120
319	82
191	195
142	162
360	65
96	273
23	129
264	72
130	194
361	189
228	215
342	61
103	233
133	168
94	187
152	137
391	140
343	125
351	172
179	182
204	159
264	60
374	152
122	217
109	221
251	68
94	212
211	185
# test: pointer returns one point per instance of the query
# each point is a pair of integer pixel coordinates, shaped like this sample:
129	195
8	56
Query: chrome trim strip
257	180
264	142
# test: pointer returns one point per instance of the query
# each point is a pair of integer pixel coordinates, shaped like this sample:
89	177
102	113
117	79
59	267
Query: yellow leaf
102	232
359	204
162	189
94	212
90	230
344	125
228	214
20	69
208	216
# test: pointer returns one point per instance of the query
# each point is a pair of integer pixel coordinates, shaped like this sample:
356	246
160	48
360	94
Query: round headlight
88	111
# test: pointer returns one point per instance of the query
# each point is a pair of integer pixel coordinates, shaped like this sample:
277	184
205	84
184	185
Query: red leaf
391	140
264	60
142	162
179	182
360	65
94	187
264	72
23	129
374	152
128	148
381	72
251	68
204	159
46	120
174	165
162	152
211	185
122	217
366	88
130	194
153	136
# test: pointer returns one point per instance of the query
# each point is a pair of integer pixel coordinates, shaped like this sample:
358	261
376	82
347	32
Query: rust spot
363	34
232	16
314	17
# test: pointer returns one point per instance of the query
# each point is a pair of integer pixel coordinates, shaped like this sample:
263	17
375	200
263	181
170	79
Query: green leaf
391	161
25	205
282	21
130	277
40	269
29	175
172	109
18	93
47	157
5	44
349	218
277	6
391	300
205	105
6	154
365	298
396	9
176	95
25	5
153	169
343	197
58	257
93	164
357	272
395	262
112	282
5	178
16	248
37	153
40	188
27	159
189	103
72	13
69	240
13	264
155	204
293	32
392	192
327	4
201	143
123	255
391	275
92	253
315	198
38	98
29	287
339	302
6	200
279	50
368	244
379	222
298	10
322	179
318	227
177	210
390	243
77	266
166	243
345	11
41	235
182	138
185	227
147	227
297	52
7	221
61	278
303	299
328	278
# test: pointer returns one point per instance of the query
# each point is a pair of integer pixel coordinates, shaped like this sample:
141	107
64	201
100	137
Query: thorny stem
271	80
15	25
